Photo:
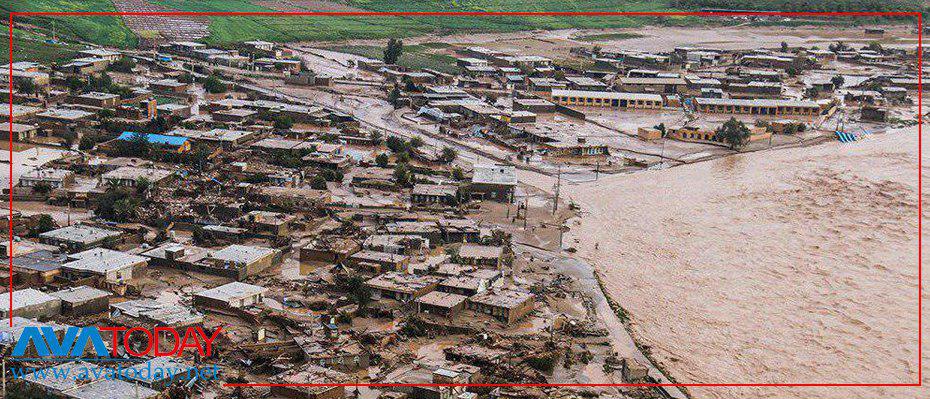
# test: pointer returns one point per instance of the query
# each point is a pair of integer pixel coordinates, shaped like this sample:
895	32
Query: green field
111	30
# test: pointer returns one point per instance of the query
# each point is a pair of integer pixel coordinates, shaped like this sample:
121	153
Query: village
350	221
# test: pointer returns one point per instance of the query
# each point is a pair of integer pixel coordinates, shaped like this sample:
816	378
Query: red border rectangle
918	15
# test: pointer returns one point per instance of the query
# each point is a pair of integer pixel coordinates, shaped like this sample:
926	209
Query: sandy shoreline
796	265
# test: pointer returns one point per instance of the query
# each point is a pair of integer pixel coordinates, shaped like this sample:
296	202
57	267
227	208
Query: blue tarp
844	137
175	141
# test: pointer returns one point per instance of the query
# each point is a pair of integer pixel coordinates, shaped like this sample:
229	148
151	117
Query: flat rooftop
102	260
442	299
505	298
79	233
241	253
232	291
79	294
25	297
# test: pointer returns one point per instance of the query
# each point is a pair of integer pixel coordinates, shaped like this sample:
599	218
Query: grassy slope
228	29
30	46
111	31
103	30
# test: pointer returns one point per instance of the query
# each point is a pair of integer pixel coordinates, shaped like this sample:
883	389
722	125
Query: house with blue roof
178	143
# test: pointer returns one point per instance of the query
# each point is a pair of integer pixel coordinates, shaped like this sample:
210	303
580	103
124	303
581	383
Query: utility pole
597	170
558	185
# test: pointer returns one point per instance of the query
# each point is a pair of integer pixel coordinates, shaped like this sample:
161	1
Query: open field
780	267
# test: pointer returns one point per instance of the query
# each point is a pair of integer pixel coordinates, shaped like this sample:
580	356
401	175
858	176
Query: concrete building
506	305
481	255
109	266
441	194
97	99
606	99
38	268
129	176
82	300
24	132
493	182
79	237
376	262
651	85
169	86
441	303
54	178
401	286
233	295
757	107
153	313
20	112
30	303
248	260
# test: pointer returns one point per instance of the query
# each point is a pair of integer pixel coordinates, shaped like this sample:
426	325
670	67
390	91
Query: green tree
117	204
318	182
375	137
124	64
394	95
26	86
74	83
395	144
105	113
448	154
415	142
137	145
402	175
212	84
458	173
283	122
393	51
354	287
838	81
332	175
42	188
43	224
157	125
382	160
734	133
784	47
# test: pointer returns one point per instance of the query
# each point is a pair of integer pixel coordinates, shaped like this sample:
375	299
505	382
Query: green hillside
111	30
108	31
